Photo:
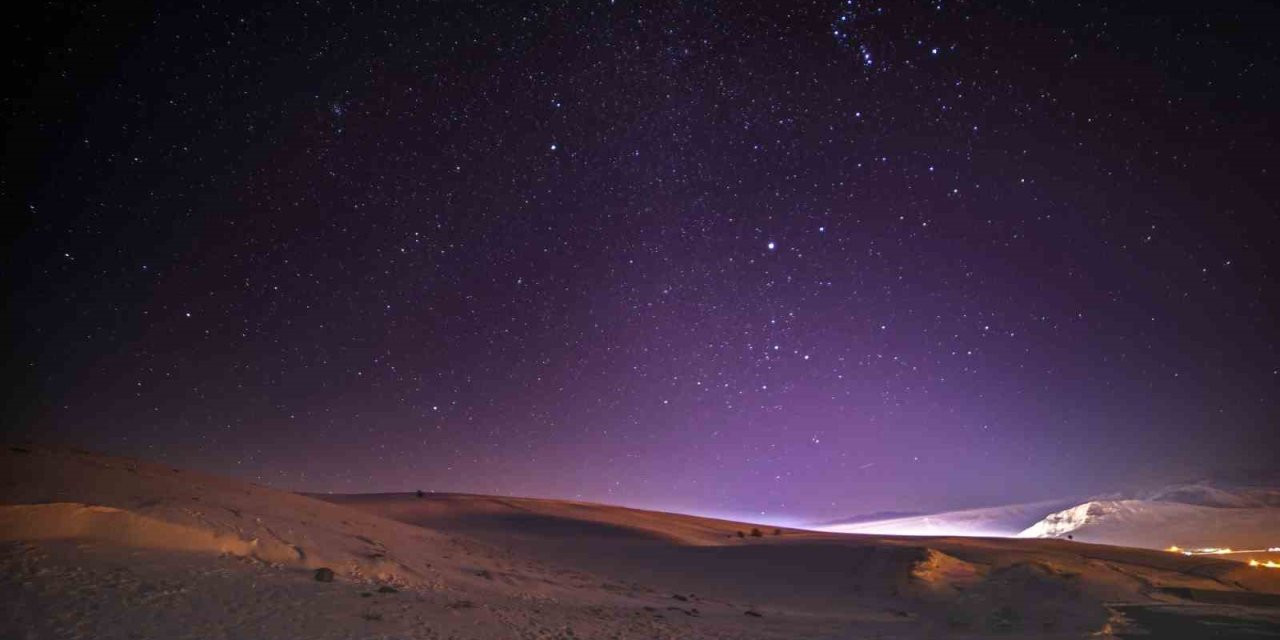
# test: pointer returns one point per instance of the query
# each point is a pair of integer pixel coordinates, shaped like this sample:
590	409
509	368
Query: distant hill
1198	515
1208	494
1004	520
1240	512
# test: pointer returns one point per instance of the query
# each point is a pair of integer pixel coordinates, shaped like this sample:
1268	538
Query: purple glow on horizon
800	262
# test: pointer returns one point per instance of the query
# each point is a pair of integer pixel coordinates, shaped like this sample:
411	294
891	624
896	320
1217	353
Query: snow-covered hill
1188	515
1238	520
1001	521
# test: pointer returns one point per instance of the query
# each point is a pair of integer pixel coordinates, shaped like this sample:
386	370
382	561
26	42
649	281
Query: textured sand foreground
101	547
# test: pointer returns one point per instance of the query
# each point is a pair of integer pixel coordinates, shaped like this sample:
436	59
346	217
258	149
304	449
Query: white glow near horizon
916	527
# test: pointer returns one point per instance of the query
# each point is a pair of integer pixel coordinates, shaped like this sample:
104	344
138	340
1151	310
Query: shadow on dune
553	527
1179	621
1214	596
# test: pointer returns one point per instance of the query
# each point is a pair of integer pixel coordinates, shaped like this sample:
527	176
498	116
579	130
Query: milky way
795	263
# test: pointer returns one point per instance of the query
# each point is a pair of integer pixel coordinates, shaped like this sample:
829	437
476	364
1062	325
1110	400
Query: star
427	323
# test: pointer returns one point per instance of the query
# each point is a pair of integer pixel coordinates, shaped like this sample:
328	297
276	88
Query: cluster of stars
807	259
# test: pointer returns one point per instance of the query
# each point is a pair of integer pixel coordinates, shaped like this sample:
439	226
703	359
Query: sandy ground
100	547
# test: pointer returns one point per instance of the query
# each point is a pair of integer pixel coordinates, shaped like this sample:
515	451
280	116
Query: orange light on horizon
1218	551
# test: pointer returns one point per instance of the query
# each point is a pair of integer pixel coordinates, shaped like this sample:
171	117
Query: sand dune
102	547
533	517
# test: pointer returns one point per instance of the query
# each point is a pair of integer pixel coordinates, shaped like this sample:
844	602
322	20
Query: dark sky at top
802	261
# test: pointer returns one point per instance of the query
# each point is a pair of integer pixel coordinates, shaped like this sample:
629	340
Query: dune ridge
193	555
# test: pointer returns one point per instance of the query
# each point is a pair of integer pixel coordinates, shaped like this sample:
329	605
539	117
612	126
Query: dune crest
167	551
939	570
69	520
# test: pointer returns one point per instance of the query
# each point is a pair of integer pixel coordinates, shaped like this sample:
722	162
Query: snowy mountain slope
1189	515
1157	524
1006	520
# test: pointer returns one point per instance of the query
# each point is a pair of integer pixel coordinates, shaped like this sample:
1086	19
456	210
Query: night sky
792	263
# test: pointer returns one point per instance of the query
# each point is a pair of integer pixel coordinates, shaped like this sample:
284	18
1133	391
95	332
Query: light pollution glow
1222	551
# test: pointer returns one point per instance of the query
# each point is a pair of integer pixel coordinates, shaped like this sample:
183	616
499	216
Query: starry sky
792	261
